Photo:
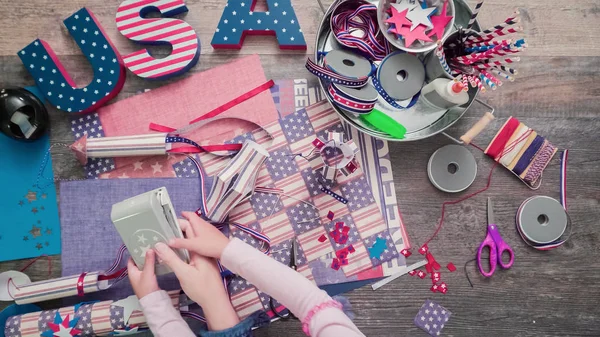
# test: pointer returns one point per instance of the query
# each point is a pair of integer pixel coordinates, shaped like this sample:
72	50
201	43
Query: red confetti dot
451	267
323	238
405	252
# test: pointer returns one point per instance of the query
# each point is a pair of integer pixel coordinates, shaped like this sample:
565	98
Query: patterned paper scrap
432	318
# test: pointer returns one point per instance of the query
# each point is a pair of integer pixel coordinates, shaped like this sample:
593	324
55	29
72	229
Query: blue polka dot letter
239	19
55	83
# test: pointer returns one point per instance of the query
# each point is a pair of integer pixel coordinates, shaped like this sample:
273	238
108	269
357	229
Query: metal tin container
419	124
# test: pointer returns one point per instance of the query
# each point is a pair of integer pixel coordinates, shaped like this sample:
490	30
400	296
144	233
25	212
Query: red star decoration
398	19
63	327
411	36
439	23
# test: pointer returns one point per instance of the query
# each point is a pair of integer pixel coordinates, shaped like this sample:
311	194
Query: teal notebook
29	225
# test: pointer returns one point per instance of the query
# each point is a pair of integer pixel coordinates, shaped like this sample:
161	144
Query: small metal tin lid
452	168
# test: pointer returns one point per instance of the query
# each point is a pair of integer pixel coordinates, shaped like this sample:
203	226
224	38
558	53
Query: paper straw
474	15
508	22
465	83
495	34
472	81
488	81
520	42
478	83
488	43
502	74
442	57
491	77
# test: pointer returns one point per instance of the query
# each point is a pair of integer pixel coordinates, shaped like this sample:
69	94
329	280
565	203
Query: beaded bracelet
315	310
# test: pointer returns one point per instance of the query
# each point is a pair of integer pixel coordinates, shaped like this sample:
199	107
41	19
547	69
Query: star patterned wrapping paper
432	318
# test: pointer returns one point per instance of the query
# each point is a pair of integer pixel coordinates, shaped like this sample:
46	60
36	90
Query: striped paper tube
503	60
491	77
58	288
507	69
472	81
125	146
502	74
478	84
474	15
487	81
507	23
442	57
495	34
488	43
465	83
91	319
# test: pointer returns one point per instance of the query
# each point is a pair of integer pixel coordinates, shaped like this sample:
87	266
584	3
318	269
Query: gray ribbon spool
543	220
366	93
401	75
452	168
348	64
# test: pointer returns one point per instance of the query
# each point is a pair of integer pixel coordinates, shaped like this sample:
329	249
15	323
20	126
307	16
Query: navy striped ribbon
350	103
328	75
389	99
344	22
528	155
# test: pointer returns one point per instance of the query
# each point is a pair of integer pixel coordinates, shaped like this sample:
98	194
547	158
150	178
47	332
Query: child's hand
208	240
200	279
143	282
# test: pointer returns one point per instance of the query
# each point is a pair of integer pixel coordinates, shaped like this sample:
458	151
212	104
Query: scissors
497	246
293	265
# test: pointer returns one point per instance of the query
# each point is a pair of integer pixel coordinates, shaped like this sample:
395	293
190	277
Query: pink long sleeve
289	287
162	318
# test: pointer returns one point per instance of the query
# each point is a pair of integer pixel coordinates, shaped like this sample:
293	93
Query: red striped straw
488	43
491	77
513	20
465	83
495	34
478	83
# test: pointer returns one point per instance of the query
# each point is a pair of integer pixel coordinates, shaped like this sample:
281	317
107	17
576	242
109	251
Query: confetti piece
421	274
323	238
377	249
330	215
405	252
423	250
451	267
412	272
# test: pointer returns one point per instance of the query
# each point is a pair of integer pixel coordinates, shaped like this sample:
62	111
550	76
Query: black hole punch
349	63
402	75
452	168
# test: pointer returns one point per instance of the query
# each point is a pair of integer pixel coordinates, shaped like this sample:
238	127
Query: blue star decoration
377	249
62	328
54	82
239	19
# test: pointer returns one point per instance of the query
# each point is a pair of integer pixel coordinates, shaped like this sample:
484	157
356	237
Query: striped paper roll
59	288
91	319
125	146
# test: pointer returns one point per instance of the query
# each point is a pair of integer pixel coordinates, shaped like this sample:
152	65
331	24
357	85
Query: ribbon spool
347	64
358	100
402	75
541	221
354	25
452	168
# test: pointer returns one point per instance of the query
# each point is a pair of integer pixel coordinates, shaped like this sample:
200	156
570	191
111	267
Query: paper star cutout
35	231
419	16
129	305
398	19
439	23
411	36
62	328
31	196
405	4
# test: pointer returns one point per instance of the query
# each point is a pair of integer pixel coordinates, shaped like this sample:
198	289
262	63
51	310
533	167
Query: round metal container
419	124
428	46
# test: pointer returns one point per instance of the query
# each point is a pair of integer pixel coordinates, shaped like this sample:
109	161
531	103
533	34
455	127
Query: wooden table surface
557	93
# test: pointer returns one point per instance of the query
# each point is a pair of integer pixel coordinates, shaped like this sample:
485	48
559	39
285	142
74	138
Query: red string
114	275
499	143
489	182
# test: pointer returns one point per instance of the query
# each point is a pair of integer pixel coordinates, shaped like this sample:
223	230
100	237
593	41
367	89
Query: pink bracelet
313	311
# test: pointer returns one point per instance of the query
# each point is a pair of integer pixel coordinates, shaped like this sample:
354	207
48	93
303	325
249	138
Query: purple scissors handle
497	246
